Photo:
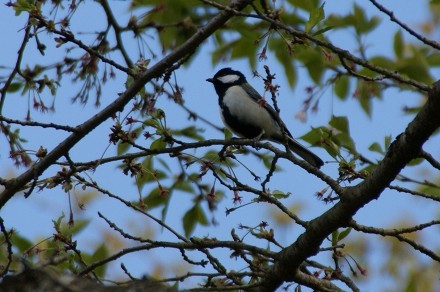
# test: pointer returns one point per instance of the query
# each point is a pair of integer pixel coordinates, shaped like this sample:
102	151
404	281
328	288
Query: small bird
244	113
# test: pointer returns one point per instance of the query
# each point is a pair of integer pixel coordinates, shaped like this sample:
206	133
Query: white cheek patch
229	78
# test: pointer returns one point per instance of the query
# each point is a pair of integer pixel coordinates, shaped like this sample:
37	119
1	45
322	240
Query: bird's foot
256	140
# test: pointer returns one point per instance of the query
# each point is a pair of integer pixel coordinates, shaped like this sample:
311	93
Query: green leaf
308	5
433	59
365	92
164	163
146	177
398	44
129	81
23	5
100	253
20	242
380	61
361	24
76	228
376	148
336	137
246	47
190	132
267	161
314	62
14	87
158	144
192	217
228	134
280	195
211	155
336	21
122	148
340	123
387	141
221	53
344	234
415	67
313	137
415	162
285	58
184	186
154	199
342	87
322	30
152	123
315	17
57	223
335	235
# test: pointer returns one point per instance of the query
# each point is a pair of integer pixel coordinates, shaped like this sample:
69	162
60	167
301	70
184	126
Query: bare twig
418	36
397	234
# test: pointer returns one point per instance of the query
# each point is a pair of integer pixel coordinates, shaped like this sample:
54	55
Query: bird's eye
228	78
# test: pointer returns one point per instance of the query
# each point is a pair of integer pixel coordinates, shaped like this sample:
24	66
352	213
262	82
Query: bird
244	114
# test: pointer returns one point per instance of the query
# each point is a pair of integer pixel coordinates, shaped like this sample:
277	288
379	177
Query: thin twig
418	36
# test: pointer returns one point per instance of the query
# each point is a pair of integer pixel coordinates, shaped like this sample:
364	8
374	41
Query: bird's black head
226	78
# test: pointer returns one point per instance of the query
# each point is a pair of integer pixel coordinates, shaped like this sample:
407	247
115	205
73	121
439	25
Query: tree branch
418	36
406	147
13	185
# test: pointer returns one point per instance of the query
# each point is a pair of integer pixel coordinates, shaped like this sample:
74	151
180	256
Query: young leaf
398	44
344	234
340	123
376	148
280	195
192	217
342	87
315	17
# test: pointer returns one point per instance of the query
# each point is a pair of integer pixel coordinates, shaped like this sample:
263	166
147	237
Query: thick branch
13	185
406	147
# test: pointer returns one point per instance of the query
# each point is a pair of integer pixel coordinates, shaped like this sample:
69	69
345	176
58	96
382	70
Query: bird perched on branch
245	113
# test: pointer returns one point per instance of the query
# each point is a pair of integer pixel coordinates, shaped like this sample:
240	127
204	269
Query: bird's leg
257	139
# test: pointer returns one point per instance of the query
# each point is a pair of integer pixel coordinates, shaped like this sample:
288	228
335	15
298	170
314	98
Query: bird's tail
305	153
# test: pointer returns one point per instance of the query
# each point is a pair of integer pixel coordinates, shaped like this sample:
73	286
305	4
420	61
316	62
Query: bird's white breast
248	110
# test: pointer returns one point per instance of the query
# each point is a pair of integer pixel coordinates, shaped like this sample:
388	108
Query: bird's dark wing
256	96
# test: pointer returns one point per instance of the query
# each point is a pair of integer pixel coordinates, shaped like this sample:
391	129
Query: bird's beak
210	80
